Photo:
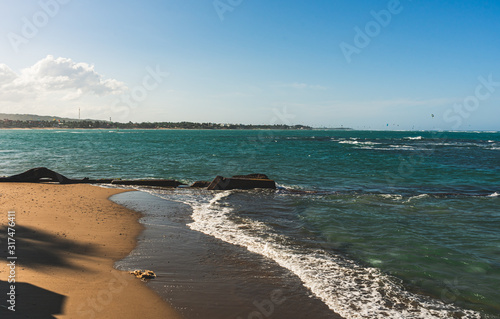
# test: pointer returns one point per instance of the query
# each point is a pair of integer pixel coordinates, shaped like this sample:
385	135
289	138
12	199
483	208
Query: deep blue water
416	213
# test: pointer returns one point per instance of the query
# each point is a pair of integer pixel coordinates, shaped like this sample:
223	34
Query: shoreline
151	129
67	239
204	277
256	129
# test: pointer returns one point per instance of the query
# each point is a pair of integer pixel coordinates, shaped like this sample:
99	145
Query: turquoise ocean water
376	224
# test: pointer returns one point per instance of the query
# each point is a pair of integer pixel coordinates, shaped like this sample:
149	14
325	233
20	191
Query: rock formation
200	184
41	174
148	182
242	182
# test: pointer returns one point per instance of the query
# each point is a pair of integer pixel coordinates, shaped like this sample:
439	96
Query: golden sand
67	238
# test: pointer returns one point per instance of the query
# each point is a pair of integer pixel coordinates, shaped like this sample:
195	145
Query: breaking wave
351	290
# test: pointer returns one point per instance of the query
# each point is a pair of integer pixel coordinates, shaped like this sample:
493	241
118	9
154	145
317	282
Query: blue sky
361	64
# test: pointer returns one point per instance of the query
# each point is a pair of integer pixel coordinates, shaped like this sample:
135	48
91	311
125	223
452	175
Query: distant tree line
89	124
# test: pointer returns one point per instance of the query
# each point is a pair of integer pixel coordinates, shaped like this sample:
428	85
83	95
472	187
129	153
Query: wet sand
67	239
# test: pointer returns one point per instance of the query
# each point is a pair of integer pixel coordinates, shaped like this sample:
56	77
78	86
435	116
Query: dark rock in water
42	174
200	184
254	176
242	182
97	181
36	175
148	182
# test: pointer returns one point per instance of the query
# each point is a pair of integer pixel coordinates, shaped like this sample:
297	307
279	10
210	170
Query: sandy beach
67	238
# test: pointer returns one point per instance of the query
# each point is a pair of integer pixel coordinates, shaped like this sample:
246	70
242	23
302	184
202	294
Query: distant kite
432	115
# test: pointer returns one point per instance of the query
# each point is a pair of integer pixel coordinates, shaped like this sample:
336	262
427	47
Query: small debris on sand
144	274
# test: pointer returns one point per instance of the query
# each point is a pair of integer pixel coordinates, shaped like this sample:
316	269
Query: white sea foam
353	142
428	145
348	142
495	194
416	197
414	138
395	197
347	288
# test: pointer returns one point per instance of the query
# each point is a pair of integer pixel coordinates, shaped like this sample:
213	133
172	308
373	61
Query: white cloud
51	81
6	75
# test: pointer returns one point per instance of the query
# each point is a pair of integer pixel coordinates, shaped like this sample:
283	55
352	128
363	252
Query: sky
401	65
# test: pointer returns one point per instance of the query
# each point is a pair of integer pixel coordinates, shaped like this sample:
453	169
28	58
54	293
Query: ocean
364	224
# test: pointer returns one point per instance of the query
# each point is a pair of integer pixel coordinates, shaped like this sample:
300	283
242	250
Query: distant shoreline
159	129
36	121
144	125
237	129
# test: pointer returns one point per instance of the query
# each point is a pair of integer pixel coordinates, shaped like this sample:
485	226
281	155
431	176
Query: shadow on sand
35	248
31	301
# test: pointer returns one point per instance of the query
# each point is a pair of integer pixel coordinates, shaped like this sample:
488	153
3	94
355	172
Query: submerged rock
252	176
242	182
148	182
